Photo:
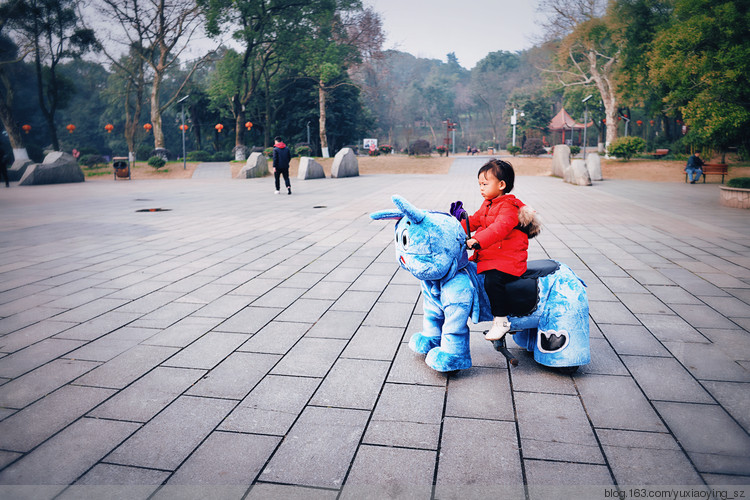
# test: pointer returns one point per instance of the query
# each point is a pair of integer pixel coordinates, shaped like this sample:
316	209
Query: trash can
490	151
121	165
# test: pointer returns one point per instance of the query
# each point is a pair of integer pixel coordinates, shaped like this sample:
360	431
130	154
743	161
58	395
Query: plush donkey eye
402	239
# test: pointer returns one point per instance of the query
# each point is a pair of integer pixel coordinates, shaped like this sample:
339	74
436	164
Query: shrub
374	152
534	147
92	160
223	156
574	150
143	152
442	150
626	147
420	147
514	150
162	153
303	149
268	152
199	156
739	182
385	149
156	162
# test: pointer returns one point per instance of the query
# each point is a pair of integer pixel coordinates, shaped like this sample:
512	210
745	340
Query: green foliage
534	147
143	152
268	152
739	182
385	148
374	152
420	148
514	150
91	160
156	162
303	150
199	156
222	156
626	147
574	150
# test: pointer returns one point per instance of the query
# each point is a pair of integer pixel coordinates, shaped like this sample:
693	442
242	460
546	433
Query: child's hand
472	243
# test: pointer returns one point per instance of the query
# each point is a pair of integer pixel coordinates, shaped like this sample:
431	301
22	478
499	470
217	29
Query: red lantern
70	127
26	128
639	122
109	127
249	125
147	127
679	121
183	128
219	127
619	118
651	122
604	120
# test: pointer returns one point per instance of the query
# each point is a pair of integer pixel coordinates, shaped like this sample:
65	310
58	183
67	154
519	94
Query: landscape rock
16	171
594	166
256	166
345	164
560	160
310	169
577	173
57	168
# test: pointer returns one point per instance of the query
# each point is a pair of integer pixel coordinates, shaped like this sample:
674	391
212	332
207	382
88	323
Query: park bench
659	153
713	169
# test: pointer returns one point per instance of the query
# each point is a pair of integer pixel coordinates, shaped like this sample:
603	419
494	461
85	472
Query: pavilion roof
563	121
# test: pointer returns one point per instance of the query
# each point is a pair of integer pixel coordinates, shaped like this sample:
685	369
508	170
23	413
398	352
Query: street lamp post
184	159
513	120
586	122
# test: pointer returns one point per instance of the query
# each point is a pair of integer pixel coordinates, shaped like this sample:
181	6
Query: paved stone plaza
245	343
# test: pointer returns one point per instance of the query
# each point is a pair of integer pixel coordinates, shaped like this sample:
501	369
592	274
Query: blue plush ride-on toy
550	314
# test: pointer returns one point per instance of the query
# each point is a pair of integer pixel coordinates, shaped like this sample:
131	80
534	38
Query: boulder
256	166
345	164
560	160
16	171
577	173
57	168
310	169
594	166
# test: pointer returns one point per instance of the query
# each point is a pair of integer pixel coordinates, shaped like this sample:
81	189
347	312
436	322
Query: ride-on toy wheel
567	370
503	349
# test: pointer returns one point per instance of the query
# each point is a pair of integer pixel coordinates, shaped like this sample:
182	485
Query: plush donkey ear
386	214
410	211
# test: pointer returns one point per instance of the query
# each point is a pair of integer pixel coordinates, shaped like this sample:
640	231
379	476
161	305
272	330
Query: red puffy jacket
502	246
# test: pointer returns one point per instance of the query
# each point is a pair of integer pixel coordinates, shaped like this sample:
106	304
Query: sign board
370	144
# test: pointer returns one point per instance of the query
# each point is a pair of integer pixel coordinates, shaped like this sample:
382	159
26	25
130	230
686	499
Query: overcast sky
470	28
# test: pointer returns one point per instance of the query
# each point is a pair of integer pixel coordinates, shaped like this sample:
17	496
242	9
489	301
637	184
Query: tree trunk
11	127
606	90
156	123
322	121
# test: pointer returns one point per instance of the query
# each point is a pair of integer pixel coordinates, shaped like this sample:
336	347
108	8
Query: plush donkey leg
422	344
453	352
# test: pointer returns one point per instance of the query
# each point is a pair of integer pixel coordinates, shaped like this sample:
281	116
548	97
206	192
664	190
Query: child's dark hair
502	170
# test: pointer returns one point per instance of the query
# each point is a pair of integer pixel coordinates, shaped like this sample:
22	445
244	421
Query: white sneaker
276	192
500	326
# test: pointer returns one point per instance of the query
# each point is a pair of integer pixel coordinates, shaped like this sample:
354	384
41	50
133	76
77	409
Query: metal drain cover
154	210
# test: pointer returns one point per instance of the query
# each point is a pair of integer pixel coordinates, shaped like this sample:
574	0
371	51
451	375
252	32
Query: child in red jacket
501	239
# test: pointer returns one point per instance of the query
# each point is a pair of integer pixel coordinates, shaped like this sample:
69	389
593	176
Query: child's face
489	186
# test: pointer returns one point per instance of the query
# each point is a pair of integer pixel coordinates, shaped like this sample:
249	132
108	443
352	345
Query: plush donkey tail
528	222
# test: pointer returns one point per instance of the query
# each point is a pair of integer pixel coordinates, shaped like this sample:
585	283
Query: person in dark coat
694	167
281	158
4	168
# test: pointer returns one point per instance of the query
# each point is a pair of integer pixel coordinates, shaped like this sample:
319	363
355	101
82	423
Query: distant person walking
694	167
4	168
281	158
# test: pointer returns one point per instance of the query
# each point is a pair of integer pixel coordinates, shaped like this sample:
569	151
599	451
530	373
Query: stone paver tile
407	415
234	377
389	314
611	312
303	280
482	352
146	397
305	310
482	393
329	290
700	316
623	285
264	491
650	278
734	398
714	441
256	287
318	449
617	403
380	472
310	357
32	334
204	294
127	367
29	427
604	360
633	340
28	317
666	379
530	376
566	481
337	324
671	328
184	332
63	458
165	441
97	327
643	303
276	337
225	459
112	344
207	351
409	368
352	383
249	320
34	356
92	309
646	458
354	300
116	482
728	306
673	295
26	389
223	307
465	467
708	362
272	407
279	297
401	293
542	435
166	315
374	342
371	282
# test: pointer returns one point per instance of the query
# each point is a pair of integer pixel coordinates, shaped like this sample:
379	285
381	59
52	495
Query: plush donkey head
430	245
